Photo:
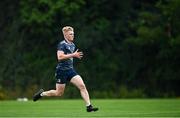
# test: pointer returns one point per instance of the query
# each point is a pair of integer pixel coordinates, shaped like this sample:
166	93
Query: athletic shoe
37	95
90	108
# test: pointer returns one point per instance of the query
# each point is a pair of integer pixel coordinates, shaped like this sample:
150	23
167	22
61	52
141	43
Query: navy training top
67	48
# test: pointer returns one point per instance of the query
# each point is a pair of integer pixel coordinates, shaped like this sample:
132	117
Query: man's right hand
78	54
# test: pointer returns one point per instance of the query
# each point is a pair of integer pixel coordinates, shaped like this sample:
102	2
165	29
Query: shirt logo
58	81
69	48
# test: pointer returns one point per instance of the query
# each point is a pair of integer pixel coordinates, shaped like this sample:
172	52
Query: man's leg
78	82
58	92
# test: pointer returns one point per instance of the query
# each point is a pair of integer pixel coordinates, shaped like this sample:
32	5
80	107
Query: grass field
108	108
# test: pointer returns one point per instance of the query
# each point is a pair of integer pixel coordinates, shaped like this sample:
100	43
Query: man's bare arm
62	56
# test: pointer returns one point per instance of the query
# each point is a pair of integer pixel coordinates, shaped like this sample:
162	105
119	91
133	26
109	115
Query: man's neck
68	41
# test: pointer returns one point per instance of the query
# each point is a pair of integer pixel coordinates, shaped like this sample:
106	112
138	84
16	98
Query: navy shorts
64	76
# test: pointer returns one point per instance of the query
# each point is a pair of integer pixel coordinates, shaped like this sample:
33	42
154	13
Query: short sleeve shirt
67	48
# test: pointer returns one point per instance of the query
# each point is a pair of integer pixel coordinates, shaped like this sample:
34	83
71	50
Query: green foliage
3	96
124	92
44	11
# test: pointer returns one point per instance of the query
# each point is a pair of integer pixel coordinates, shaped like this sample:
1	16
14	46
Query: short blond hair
66	29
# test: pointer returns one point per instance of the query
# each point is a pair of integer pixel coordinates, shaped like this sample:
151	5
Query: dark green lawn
76	108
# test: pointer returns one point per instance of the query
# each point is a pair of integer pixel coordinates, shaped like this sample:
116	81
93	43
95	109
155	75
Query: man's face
69	36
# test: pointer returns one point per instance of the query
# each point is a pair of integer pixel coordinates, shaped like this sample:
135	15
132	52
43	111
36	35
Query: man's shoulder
62	42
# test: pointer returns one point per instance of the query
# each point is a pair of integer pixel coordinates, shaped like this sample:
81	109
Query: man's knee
60	89
59	93
82	87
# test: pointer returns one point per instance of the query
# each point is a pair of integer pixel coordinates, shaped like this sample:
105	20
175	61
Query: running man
65	71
